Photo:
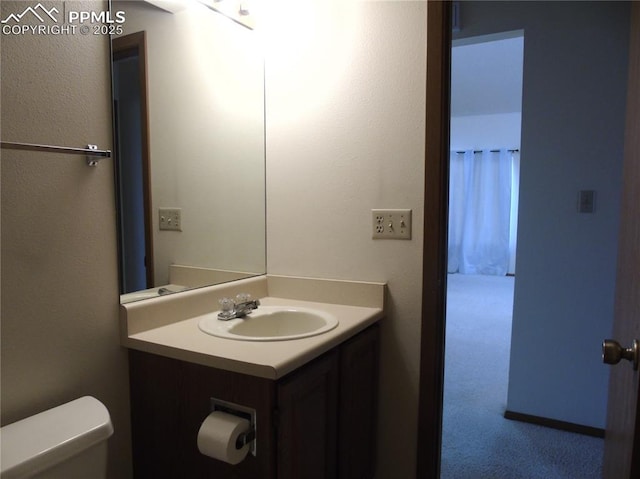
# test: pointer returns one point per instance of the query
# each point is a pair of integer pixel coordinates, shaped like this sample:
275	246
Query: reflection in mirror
189	141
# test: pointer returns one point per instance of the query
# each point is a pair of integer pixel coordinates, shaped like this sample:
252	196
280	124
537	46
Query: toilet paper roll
218	435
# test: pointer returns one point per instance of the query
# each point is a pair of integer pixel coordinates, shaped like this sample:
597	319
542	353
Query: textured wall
565	284
59	264
498	130
345	134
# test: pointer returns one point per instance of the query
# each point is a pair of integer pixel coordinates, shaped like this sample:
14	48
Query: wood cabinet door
157	412
358	405
169	401
307	421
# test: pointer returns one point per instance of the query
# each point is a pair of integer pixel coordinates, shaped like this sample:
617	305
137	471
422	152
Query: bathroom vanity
314	398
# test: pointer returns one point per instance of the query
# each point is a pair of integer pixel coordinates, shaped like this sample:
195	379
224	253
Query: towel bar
92	152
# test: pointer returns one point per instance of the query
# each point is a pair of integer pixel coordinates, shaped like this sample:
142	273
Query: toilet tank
66	442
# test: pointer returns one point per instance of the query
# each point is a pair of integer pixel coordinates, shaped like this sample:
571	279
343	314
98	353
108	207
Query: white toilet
66	442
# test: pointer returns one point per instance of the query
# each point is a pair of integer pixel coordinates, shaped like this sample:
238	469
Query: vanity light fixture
238	11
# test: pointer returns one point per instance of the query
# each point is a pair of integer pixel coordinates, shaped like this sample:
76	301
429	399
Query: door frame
434	266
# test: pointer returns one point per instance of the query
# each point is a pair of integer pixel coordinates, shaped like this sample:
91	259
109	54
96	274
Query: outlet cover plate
170	219
391	224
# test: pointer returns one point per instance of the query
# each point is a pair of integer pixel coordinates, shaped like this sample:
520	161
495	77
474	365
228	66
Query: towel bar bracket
92	160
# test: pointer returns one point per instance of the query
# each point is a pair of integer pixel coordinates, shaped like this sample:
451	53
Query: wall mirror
188	87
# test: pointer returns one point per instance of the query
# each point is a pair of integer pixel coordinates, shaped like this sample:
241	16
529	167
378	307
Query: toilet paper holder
246	438
243	412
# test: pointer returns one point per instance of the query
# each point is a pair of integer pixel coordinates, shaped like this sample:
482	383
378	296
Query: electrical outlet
391	224
170	219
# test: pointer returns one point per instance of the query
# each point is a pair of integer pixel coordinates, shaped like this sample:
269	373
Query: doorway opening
558	264
133	193
576	65
484	169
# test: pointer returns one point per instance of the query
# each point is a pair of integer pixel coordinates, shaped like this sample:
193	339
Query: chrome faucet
243	305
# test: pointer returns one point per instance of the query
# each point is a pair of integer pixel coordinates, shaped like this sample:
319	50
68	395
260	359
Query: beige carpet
478	443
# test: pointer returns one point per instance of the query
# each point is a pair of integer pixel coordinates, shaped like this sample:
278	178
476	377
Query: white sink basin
271	323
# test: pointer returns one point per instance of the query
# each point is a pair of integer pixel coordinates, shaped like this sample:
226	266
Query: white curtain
482	212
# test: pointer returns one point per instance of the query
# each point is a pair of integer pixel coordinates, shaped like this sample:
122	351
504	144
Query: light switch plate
586	201
391	224
170	219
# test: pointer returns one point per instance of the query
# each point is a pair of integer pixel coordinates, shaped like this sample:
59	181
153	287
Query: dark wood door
622	438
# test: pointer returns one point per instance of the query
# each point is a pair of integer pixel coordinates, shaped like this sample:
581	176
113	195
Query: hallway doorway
555	266
132	163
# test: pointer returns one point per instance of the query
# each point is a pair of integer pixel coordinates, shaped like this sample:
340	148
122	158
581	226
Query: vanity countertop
177	336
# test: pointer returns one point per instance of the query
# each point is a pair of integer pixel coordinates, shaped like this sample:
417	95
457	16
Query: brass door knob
613	353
